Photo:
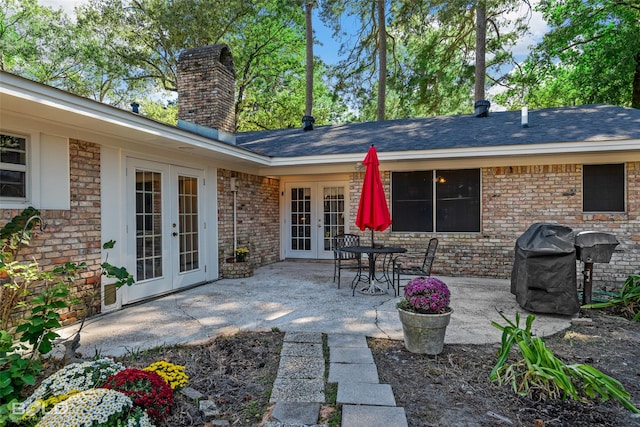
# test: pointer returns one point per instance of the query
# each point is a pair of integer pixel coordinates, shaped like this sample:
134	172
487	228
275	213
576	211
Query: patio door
165	225
315	212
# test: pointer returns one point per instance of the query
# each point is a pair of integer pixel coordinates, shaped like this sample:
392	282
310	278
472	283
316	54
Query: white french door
165	227
314	213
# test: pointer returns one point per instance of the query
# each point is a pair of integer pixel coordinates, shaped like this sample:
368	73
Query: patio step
298	390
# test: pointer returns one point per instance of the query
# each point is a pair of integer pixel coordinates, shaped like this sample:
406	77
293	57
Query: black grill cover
544	270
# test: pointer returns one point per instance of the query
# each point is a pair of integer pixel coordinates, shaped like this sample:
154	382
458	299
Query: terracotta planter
424	333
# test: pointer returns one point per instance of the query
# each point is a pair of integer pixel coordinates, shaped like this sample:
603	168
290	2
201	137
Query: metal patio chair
408	265
345	260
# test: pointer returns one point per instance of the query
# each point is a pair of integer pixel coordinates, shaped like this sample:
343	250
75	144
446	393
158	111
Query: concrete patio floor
295	296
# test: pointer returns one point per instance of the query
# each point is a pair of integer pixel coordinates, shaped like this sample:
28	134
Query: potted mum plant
425	313
242	254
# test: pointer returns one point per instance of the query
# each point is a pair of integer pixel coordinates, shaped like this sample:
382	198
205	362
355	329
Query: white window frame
19	168
47	180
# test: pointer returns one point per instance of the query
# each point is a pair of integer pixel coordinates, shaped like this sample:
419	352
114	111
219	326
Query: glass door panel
148	225
188	221
301	219
315	213
188	225
166	217
333	212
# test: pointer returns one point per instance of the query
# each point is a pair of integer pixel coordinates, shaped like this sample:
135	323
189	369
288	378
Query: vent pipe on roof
482	108
134	107
307	123
525	117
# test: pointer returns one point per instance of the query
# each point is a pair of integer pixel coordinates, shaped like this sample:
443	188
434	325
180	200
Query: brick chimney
206	88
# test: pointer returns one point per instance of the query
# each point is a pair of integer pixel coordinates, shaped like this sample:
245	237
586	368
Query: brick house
179	199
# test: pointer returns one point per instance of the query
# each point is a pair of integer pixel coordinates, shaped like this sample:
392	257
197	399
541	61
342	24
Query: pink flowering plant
426	295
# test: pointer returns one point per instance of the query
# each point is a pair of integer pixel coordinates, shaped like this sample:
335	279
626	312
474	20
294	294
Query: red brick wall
513	198
206	87
257	213
72	235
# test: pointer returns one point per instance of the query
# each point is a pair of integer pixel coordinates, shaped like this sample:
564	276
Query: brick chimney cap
216	52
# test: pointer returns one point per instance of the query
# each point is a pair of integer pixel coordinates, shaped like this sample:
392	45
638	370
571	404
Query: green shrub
34	335
540	371
628	301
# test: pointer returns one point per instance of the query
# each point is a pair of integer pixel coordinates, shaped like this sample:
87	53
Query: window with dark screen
603	188
412	201
453	196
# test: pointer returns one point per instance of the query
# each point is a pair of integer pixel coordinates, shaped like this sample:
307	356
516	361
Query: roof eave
466	152
89	117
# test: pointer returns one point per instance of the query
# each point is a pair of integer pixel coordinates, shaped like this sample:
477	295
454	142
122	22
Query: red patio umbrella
373	211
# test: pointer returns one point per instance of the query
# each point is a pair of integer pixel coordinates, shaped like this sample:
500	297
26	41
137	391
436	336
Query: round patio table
373	252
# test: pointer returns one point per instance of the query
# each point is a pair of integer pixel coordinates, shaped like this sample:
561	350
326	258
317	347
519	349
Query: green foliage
15	286
118	51
590	55
38	328
628	301
541	372
18	224
20	354
120	273
164	113
16	372
431	51
17	233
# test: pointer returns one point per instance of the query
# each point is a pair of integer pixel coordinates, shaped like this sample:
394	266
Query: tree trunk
635	95
481	43
309	65
382	55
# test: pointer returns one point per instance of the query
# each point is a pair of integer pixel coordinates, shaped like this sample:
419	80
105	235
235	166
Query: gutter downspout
234	190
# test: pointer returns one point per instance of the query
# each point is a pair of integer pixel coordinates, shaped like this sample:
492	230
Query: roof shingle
551	125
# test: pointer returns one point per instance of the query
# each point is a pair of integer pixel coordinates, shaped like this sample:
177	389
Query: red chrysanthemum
146	389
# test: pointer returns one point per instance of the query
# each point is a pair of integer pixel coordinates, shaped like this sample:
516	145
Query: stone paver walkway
298	390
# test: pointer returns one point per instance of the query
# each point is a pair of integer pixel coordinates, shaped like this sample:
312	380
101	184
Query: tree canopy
400	59
431	52
590	55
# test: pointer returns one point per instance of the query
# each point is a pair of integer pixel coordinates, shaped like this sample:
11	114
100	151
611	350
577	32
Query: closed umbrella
373	211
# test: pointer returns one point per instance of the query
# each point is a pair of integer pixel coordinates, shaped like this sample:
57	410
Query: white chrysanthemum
84	409
139	419
76	376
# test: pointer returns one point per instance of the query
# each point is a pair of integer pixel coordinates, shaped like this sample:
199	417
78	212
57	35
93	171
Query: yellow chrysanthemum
173	374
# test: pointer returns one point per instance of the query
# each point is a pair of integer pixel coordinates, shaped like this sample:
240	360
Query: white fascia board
516	150
470	152
89	109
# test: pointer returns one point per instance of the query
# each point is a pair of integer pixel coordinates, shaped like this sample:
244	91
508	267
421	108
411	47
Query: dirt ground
236	372
451	389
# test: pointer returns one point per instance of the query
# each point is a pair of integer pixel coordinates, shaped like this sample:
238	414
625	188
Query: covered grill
543	278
